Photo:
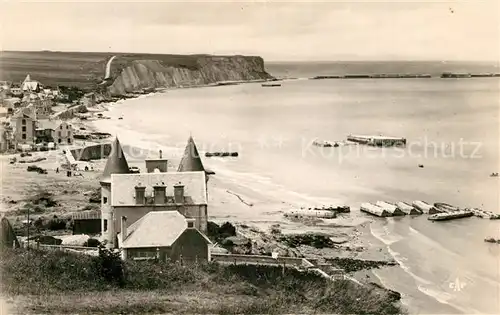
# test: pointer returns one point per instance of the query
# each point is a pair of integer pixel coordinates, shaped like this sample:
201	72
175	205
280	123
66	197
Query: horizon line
347	59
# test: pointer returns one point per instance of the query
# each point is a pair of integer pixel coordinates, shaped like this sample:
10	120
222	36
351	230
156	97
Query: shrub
110	266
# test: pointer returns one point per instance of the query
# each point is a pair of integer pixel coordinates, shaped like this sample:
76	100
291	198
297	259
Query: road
108	68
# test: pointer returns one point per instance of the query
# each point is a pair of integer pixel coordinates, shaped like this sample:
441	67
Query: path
107	73
108	68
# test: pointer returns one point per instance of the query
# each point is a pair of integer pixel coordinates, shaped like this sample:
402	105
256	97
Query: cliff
134	73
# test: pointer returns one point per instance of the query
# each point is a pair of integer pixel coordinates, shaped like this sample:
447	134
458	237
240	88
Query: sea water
452	131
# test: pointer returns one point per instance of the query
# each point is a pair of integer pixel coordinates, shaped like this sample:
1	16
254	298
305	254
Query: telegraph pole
28	241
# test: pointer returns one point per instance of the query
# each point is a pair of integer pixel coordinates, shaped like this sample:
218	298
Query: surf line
239	197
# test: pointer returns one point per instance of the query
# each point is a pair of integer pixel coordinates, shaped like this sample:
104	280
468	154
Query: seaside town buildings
23	127
56	131
158	213
26	116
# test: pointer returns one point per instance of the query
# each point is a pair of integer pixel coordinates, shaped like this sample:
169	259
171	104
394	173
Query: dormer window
190	224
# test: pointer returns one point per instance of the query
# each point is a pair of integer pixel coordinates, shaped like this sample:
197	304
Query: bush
110	266
249	288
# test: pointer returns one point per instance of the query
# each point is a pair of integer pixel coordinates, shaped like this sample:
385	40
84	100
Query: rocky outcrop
135	75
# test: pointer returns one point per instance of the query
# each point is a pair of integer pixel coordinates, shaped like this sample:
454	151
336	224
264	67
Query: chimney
179	193
160	193
140	194
190	223
157	165
123	230
160	154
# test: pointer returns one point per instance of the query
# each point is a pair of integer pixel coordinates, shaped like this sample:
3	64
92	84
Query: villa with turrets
156	214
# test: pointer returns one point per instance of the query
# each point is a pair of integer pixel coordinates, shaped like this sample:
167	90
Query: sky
275	30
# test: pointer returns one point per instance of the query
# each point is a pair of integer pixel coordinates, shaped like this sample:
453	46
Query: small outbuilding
163	235
87	222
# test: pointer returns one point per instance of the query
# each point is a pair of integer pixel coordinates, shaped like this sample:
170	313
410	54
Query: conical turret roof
116	163
27	79
191	161
7	236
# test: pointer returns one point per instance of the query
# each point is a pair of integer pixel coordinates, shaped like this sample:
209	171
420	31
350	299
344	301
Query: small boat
221	154
425	207
374	210
408	209
389	207
492	240
271	84
450	215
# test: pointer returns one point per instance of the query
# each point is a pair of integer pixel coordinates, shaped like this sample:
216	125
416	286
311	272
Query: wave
384	234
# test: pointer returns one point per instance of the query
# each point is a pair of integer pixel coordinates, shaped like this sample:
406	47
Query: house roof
191	161
156	229
23	113
30	86
116	163
123	186
48	124
27	79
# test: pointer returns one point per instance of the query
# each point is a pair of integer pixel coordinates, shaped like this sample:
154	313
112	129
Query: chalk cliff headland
131	74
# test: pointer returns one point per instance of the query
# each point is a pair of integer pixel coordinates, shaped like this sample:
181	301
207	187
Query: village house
4	86
23	127
89	99
4	138
16	91
135	195
56	131
4	112
11	104
42	108
163	235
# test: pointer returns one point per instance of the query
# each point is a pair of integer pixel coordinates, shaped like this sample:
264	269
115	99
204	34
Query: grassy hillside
57	282
83	70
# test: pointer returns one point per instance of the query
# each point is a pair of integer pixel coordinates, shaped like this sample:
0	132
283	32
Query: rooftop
123	186
191	161
156	229
116	163
48	124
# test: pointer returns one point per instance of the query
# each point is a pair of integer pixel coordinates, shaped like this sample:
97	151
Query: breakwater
444	75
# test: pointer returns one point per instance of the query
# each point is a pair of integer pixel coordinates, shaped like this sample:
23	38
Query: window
59	134
24	136
105	225
105	200
23	121
60	127
190	224
69	141
24	128
145	254
59	140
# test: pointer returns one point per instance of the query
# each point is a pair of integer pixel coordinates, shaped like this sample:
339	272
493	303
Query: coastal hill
129	72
